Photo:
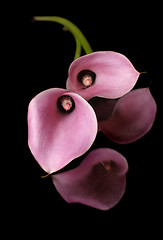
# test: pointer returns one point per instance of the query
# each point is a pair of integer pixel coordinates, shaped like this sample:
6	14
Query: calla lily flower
99	181
128	119
61	127
104	74
100	78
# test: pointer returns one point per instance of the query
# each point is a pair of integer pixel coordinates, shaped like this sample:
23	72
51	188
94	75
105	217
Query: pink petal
99	181
115	75
56	138
132	117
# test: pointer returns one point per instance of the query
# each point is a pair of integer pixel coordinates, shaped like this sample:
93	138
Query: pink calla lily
104	74
59	132
99	181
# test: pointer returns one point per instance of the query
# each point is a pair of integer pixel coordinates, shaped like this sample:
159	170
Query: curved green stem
78	35
78	49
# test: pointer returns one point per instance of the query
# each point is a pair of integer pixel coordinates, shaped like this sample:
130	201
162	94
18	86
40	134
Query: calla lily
104	74
61	127
99	181
132	117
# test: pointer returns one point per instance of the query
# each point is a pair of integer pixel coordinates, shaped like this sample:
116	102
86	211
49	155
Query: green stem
78	35
78	49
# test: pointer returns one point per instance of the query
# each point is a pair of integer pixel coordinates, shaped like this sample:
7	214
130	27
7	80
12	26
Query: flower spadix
61	127
99	181
105	74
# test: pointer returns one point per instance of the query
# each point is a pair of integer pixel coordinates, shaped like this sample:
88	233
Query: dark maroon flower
99	181
131	118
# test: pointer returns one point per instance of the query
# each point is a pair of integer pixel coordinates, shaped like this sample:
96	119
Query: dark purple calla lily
99	181
104	74
131	118
61	127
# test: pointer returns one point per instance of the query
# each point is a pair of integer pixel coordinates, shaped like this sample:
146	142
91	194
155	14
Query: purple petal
114	75
99	181
133	116
55	137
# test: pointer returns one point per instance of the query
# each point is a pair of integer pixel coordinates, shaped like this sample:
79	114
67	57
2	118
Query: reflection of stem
78	35
45	176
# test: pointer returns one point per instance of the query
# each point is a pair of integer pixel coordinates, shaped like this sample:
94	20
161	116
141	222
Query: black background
44	53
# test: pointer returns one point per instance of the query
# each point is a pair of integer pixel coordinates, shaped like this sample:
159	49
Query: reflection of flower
130	117
99	181
62	125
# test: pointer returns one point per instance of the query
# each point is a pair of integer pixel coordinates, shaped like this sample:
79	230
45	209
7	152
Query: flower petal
56	138
115	75
133	116
99	181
